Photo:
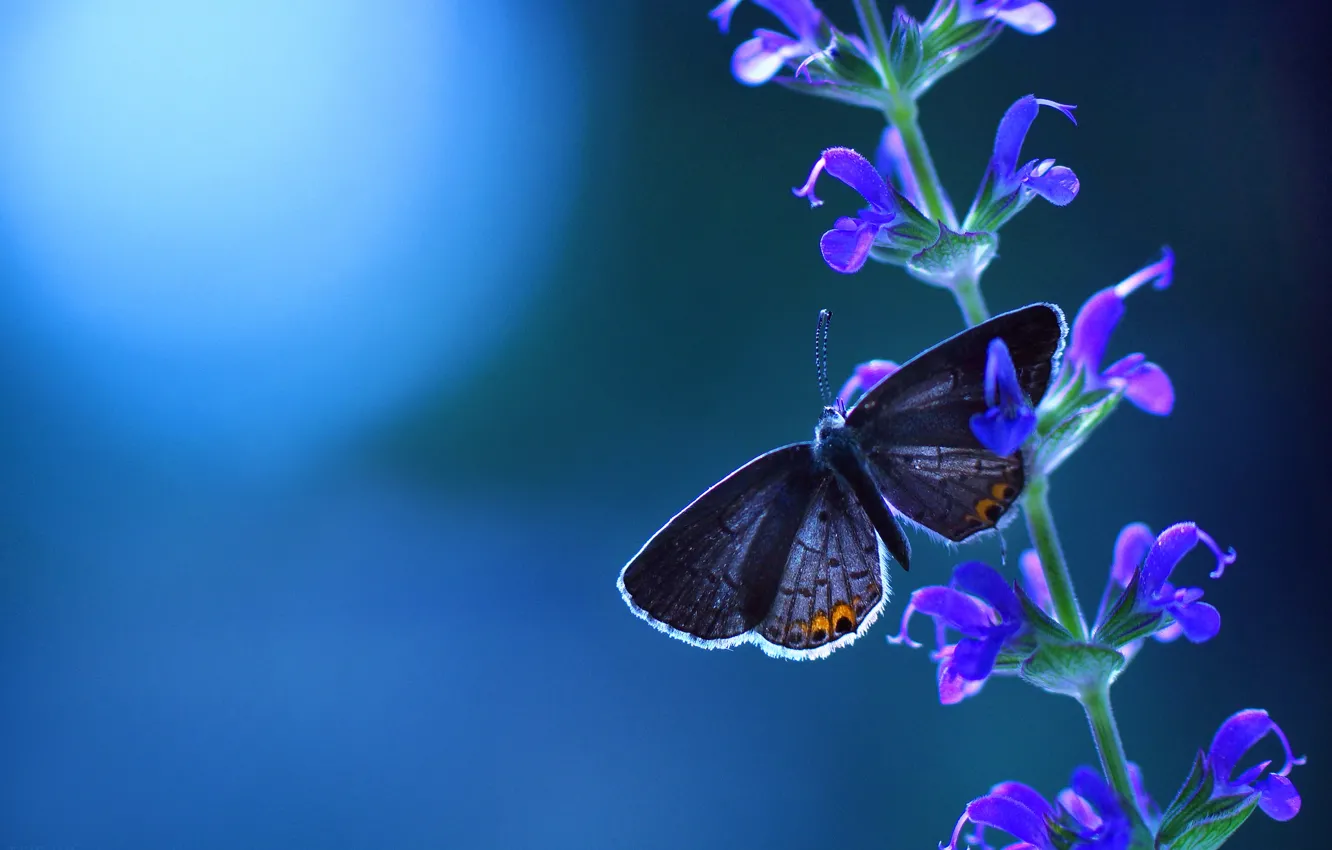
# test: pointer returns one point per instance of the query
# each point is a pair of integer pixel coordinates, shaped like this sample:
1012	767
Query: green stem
969	299
1096	702
1041	527
901	113
871	23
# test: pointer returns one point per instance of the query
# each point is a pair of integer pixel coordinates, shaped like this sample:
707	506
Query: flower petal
722	14
1005	426
1145	384
984	581
863	378
1001	382
1024	794
891	160
1001	432
1200	622
846	247
958	610
1033	576
1236	737
1056	183
1012	817
760	58
1159	274
1091	333
1012	132
857	172
1146	804
973	659
952	687
1027	16
1131	547
1089	785
1278	799
1169	549
801	17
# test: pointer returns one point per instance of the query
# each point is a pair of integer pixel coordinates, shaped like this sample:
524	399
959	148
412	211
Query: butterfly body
791	550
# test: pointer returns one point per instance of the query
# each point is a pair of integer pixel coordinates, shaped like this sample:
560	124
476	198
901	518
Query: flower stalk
1114	762
1041	527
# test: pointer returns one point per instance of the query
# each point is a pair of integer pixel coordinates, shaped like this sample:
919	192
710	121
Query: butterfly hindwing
710	575
915	426
835	579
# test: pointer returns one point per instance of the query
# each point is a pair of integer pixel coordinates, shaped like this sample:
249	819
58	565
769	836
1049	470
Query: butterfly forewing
711	574
835	578
914	427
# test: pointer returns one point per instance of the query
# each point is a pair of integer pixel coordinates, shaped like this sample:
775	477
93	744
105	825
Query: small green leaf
850	64
952	253
905	49
1124	623
1216	821
1071	668
1042	624
1066	437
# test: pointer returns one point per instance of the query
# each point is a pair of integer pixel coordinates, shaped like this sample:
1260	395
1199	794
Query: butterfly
790	551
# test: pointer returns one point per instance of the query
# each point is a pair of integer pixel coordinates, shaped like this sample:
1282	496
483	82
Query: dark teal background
408	634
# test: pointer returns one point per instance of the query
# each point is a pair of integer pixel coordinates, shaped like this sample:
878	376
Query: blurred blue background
347	350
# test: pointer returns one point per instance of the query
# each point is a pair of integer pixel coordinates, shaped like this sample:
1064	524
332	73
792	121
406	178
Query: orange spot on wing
843	618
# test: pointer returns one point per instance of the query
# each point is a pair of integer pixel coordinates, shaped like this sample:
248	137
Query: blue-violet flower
760	58
1147	603
1025	16
1006	188
1238	734
863	378
1086	814
889	223
1009	418
980	606
1143	383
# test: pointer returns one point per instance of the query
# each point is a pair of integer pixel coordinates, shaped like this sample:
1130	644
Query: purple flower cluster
983	624
1088	814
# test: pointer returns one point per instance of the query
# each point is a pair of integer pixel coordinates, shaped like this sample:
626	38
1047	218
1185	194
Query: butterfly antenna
821	355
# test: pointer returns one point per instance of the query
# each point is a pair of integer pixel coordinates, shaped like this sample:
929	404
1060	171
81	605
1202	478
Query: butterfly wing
710	575
915	425
835	580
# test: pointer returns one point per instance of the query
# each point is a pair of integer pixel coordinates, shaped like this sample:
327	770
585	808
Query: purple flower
863	378
981	607
1238	734
1139	577
889	222
1025	16
1007	188
1009	418
1085	815
760	58
1143	383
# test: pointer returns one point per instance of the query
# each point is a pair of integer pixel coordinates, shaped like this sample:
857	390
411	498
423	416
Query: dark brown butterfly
790	550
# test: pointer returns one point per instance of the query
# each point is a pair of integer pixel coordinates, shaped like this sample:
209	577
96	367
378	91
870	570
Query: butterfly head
831	427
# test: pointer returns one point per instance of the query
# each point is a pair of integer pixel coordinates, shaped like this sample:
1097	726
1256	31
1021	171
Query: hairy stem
901	113
1041	527
969	299
1096	702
